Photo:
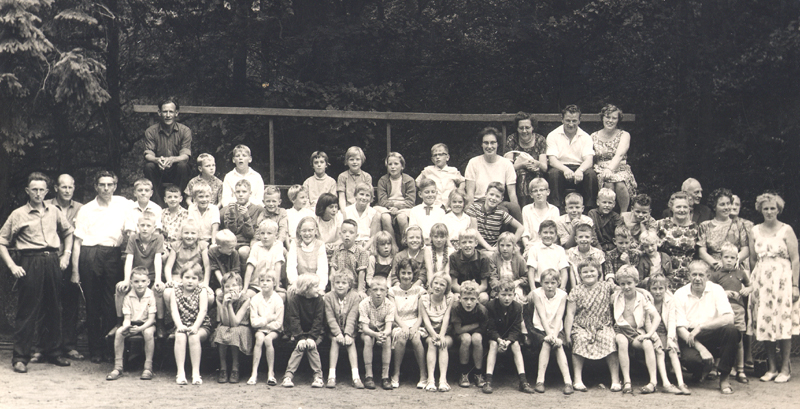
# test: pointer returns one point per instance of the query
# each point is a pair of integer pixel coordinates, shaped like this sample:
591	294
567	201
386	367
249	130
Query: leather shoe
59	361
20	367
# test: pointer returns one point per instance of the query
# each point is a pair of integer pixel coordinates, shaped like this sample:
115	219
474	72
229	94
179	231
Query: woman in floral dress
610	157
526	149
774	302
678	236
721	229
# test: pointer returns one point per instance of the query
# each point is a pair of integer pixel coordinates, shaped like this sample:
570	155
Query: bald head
693	189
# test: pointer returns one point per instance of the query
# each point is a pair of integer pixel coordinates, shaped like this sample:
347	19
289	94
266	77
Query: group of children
240	270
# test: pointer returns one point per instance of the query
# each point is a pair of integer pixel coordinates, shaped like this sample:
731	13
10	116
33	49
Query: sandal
73	354
615	387
713	375
197	380
725	388
627	389
580	387
252	381
741	377
114	375
444	387
181	380
430	387
146	375
272	381
647	389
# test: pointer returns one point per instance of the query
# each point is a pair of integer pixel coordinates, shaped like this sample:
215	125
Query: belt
38	252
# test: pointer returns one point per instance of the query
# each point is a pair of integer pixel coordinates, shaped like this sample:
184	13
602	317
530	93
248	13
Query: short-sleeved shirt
216	188
70	211
102	225
575	257
730	280
482	173
569	152
353	258
692	311
376	317
135	212
33	229
425	217
447	180
543	258
550	313
171	223
347	182
144	252
173	141
564	227
224	263
478	267
317	186
205	220
436	311
364	220
641	308
531	219
489	223
281	217
263	259
479	315
139	308
256	187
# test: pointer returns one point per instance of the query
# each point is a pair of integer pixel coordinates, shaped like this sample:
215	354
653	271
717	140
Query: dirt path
83	385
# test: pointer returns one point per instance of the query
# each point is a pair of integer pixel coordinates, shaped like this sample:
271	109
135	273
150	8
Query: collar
167	130
473	258
54	202
355	175
45	207
706	290
352	248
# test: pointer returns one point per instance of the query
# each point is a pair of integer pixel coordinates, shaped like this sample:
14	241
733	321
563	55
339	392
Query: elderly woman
610	157
490	167
678	235
527	151
775	276
713	233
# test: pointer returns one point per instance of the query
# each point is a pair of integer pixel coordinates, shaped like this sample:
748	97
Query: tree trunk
113	106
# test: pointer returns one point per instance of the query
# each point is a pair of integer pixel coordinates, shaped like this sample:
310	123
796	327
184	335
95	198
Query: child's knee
148	333
477	339
244	252
466	339
483	298
368	341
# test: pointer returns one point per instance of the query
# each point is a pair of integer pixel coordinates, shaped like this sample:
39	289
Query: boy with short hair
468	264
426	214
241	159
305	311
583	252
396	193
142	190
273	211
204	213
139	311
566	224
623	253
348	180
241	217
320	182
546	254
173	217
535	213
376	315
446	178
145	250
491	219
638	220
505	332
349	256
652	261
604	218
299	198
222	258
266	254
207	166
368	219
470	320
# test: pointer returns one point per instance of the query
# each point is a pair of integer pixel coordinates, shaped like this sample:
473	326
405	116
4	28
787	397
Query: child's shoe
197	380
223	376
539	388
487	387
526	387
479	381
331	383
684	389
568	389
671	389
234	377
431	386
386	384
287	383
395	383
114	375
369	383
317	383
358	384
147	375
464	382
422	383
444	386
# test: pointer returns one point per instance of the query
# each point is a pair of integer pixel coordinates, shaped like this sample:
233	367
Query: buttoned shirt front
98	225
691	311
173	141
569	151
35	229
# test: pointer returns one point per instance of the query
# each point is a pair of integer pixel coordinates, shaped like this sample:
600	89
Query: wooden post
388	138
502	143
271	152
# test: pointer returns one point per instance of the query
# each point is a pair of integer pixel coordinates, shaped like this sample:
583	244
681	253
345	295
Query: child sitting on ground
407	321
470	320
382	254
584	252
511	266
139	312
242	171
566	224
505	332
306	313
635	324
448	179
604	218
546	254
299	198
470	265
535	213
544	318
233	314
348	180
320	182
207	166
341	314
588	326
266	318
426	214
491	219
396	193
376	316
667	334
435	311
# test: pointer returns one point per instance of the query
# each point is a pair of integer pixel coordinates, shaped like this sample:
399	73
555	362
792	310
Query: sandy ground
83	385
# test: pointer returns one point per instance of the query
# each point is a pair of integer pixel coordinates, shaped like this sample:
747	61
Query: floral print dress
592	330
776	317
524	176
603	153
679	243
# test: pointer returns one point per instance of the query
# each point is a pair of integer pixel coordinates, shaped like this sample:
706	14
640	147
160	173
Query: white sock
355	373
332	373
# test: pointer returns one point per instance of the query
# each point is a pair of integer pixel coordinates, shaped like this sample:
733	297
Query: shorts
629	332
738	317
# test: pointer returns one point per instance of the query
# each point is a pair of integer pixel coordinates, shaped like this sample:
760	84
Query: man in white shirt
704	321
570	151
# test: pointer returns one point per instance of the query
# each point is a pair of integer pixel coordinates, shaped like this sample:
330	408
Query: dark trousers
722	342
588	187
100	270
70	308
39	308
178	175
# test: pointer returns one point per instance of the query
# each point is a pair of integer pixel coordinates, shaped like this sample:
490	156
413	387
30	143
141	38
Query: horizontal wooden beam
374	115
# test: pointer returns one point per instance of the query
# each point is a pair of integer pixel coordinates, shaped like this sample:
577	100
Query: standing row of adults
167	149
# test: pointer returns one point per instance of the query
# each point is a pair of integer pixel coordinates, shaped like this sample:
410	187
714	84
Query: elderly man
33	230
704	321
700	212
168	146
97	258
570	151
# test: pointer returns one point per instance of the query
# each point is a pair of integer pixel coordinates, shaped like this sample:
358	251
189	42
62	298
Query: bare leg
544	360
419	354
561	359
334	358
518	361
149	347
256	357
399	353
386	223
624	359
463	349
268	339
477	351
369	343
613	366
662	367
195	352
676	366
431	357
180	354
577	366
352	354
491	357
650	360
444	359
623	196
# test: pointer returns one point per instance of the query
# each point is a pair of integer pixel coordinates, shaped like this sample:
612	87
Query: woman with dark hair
490	167
610	157
526	149
713	233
